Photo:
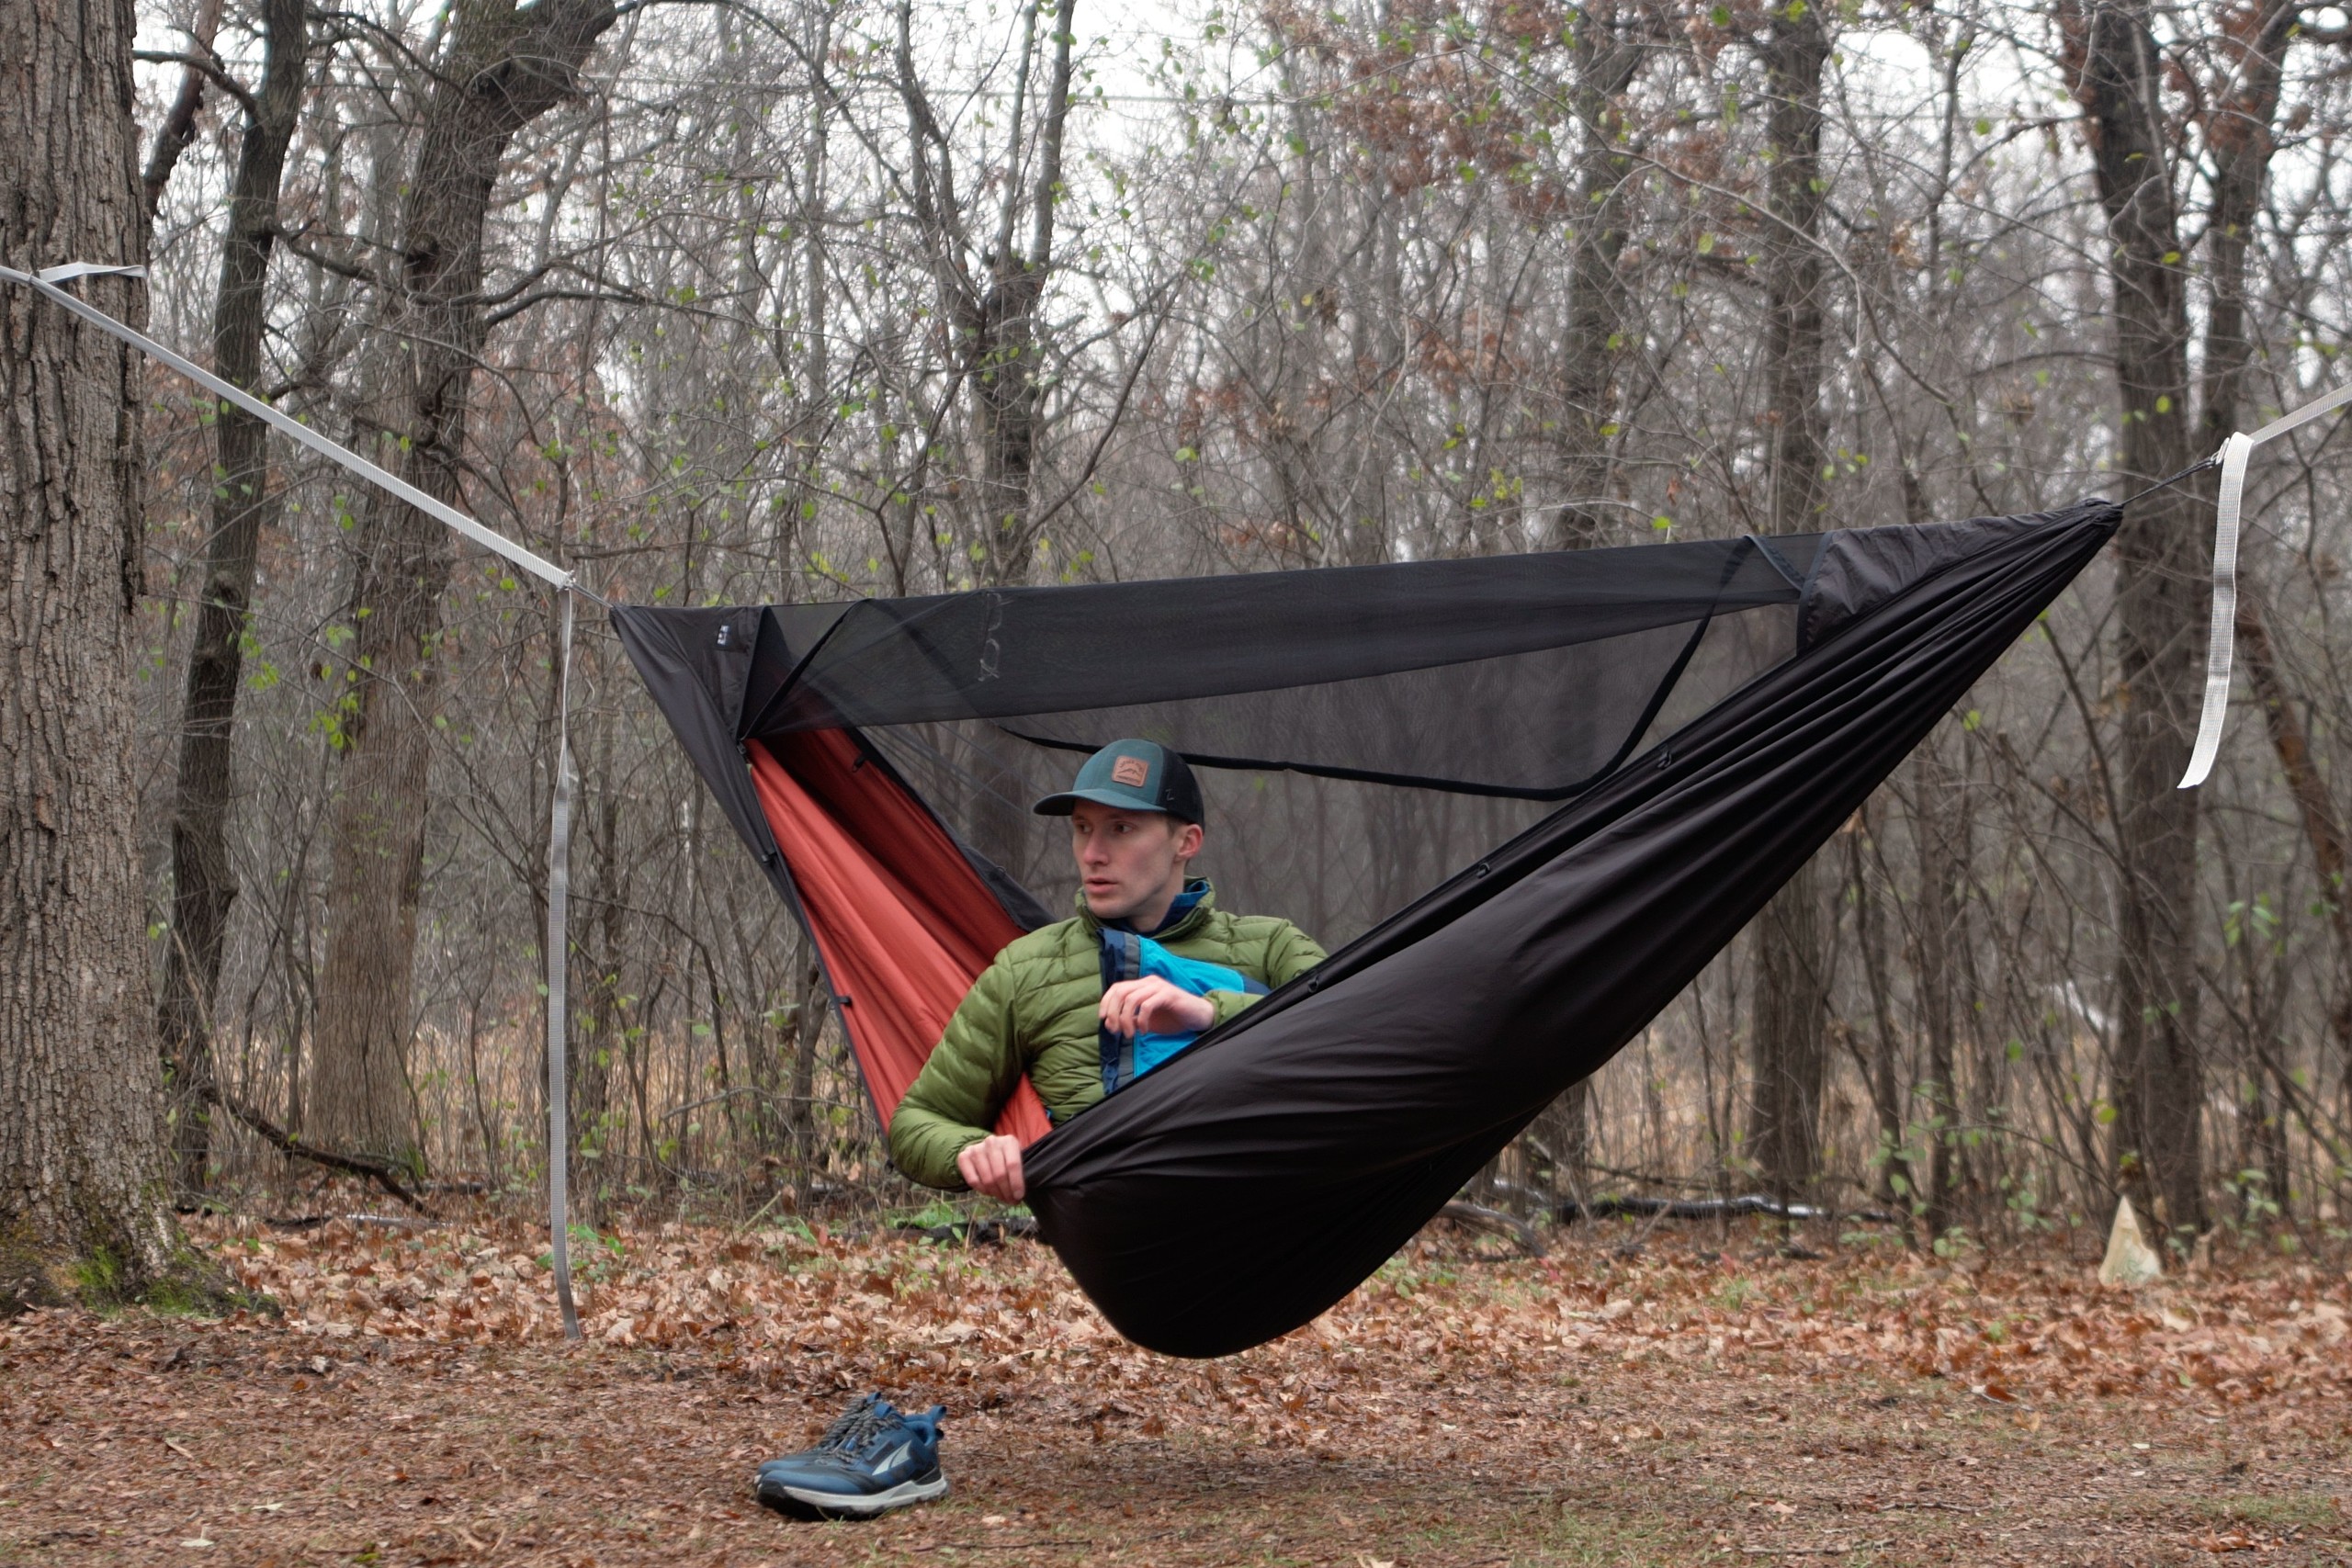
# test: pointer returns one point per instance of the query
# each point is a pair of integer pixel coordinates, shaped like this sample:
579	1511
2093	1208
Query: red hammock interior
903	923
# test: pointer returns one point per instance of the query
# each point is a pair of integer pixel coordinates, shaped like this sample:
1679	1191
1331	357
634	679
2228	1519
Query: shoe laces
860	1425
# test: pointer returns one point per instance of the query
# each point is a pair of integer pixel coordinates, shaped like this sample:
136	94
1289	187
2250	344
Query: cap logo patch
1132	772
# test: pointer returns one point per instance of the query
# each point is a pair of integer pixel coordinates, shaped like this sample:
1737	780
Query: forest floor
1694	1398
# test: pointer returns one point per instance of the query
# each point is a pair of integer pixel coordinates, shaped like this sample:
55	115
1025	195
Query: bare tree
81	1189
990	290
1941	824
1790	1041
2160	1070
204	884
2241	130
1609	46
505	65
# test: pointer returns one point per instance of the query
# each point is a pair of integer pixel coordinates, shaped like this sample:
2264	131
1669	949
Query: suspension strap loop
2221	644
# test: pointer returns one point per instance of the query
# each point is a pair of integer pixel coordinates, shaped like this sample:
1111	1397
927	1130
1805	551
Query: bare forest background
796	300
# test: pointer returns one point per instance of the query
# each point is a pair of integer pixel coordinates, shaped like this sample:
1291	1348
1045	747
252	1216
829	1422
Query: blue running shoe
870	1460
849	1423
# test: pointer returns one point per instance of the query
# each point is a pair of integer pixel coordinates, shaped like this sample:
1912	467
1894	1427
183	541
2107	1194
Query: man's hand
993	1167
1154	1006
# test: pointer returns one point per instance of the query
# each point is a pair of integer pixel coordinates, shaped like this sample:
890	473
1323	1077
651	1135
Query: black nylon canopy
1245	1187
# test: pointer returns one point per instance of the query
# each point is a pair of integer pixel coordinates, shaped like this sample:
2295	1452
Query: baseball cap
1134	775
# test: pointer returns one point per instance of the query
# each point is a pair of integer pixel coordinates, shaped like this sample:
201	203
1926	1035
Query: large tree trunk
2242	136
2160	1070
1789	1041
1788	1045
505	65
82	1191
203	883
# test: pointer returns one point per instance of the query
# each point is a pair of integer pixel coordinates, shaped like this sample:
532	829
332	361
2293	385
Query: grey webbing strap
47	281
2221	645
558	969
559	825
2220	639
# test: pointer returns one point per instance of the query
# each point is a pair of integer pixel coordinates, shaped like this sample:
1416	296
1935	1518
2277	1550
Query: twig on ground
2009	1404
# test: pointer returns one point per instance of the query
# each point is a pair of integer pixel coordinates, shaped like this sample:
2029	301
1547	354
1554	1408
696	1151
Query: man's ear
1188	840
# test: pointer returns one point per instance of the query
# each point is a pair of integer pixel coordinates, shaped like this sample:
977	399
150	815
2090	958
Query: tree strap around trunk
48	281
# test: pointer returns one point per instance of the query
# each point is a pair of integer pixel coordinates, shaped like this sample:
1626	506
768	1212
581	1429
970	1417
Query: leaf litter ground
1676	1403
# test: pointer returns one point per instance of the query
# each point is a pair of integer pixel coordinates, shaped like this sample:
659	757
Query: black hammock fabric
1249	1184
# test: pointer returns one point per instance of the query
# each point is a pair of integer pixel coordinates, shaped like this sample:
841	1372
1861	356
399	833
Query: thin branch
378	1171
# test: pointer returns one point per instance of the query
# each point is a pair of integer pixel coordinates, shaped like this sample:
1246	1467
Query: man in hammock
1084	1008
1088	1005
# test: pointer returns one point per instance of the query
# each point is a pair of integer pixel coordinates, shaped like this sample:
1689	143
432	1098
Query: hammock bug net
1646	743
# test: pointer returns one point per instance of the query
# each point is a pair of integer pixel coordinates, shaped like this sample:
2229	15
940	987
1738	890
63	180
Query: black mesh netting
1520	675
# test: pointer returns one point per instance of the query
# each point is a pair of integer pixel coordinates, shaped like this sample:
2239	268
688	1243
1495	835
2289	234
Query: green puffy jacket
1034	1011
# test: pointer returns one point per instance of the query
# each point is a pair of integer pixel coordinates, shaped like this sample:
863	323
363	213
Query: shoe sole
804	1503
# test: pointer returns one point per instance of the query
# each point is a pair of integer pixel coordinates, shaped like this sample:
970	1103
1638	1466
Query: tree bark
596	1166
503	66
1003	338
1942	827
1604	65
2242	135
82	1199
1896	1182
1597	325
204	886
2160	1071
1789	1040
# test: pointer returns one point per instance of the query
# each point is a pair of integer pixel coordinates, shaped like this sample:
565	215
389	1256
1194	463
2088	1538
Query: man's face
1127	860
